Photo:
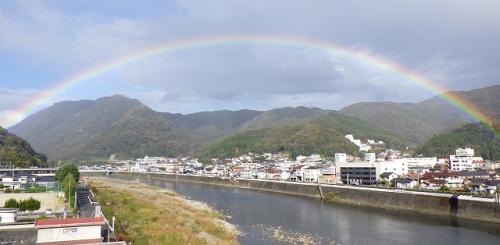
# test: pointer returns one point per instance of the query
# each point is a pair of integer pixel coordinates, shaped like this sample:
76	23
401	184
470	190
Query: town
69	207
461	171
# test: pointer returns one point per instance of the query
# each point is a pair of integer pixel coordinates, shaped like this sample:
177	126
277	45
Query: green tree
65	170
11	203
69	185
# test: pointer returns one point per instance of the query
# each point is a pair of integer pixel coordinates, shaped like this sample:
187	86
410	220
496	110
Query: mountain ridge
91	128
418	122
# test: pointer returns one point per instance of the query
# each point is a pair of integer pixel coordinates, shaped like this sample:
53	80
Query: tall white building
464	160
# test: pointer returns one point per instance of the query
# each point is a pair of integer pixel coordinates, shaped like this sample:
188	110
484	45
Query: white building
420	164
8	215
70	230
467	152
464	159
312	174
362	146
340	157
370	157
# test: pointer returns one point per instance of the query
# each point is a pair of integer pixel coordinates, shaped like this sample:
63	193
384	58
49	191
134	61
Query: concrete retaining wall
416	202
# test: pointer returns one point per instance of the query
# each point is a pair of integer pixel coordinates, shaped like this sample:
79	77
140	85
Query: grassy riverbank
150	215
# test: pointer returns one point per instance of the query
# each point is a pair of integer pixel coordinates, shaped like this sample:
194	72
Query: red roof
86	241
70	221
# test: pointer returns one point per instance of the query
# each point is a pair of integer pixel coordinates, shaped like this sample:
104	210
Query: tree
65	170
69	185
11	203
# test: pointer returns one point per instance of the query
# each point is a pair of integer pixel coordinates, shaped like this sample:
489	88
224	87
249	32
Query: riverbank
150	215
407	201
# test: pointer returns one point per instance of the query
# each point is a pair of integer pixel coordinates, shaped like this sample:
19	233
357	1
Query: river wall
409	201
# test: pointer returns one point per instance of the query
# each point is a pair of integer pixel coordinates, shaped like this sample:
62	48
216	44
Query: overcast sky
454	43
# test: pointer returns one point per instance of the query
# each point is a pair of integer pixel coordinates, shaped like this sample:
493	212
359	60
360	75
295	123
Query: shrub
30	204
7	190
2	186
36	189
11	203
16	191
444	188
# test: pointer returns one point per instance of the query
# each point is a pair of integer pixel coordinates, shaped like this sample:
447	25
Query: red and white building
69	231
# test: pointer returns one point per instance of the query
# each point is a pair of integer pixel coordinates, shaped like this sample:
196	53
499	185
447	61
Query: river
272	218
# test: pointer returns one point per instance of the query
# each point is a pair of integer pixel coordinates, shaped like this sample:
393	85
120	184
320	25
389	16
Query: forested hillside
324	135
482	138
17	152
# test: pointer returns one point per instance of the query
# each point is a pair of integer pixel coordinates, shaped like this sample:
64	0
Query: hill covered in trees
16	151
324	135
482	138
418	122
110	126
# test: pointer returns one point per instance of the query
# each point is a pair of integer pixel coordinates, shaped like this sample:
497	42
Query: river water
271	218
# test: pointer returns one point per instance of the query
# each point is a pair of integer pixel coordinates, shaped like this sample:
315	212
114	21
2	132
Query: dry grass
149	215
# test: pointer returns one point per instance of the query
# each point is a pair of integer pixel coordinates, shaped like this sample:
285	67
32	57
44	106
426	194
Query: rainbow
182	44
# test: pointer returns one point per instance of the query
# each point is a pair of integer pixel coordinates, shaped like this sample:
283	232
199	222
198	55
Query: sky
454	43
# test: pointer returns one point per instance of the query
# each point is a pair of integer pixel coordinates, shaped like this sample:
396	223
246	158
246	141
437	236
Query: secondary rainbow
263	39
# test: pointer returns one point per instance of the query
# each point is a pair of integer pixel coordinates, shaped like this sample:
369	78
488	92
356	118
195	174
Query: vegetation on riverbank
149	215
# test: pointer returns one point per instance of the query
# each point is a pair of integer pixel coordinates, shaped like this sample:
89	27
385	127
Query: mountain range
123	127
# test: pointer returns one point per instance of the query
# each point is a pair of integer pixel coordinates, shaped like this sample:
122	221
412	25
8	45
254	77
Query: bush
7	190
444	188
30	204
11	203
16	191
36	189
2	186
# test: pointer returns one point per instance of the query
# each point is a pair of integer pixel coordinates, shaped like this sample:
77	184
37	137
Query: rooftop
46	223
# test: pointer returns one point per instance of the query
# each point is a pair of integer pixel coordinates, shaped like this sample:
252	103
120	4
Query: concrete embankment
411	201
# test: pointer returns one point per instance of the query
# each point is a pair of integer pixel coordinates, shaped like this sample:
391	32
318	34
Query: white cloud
427	36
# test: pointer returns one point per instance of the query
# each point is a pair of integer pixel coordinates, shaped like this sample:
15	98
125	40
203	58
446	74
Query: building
340	157
362	146
328	175
388	176
368	173
464	160
312	174
405	183
8	215
70	230
420	164
370	157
